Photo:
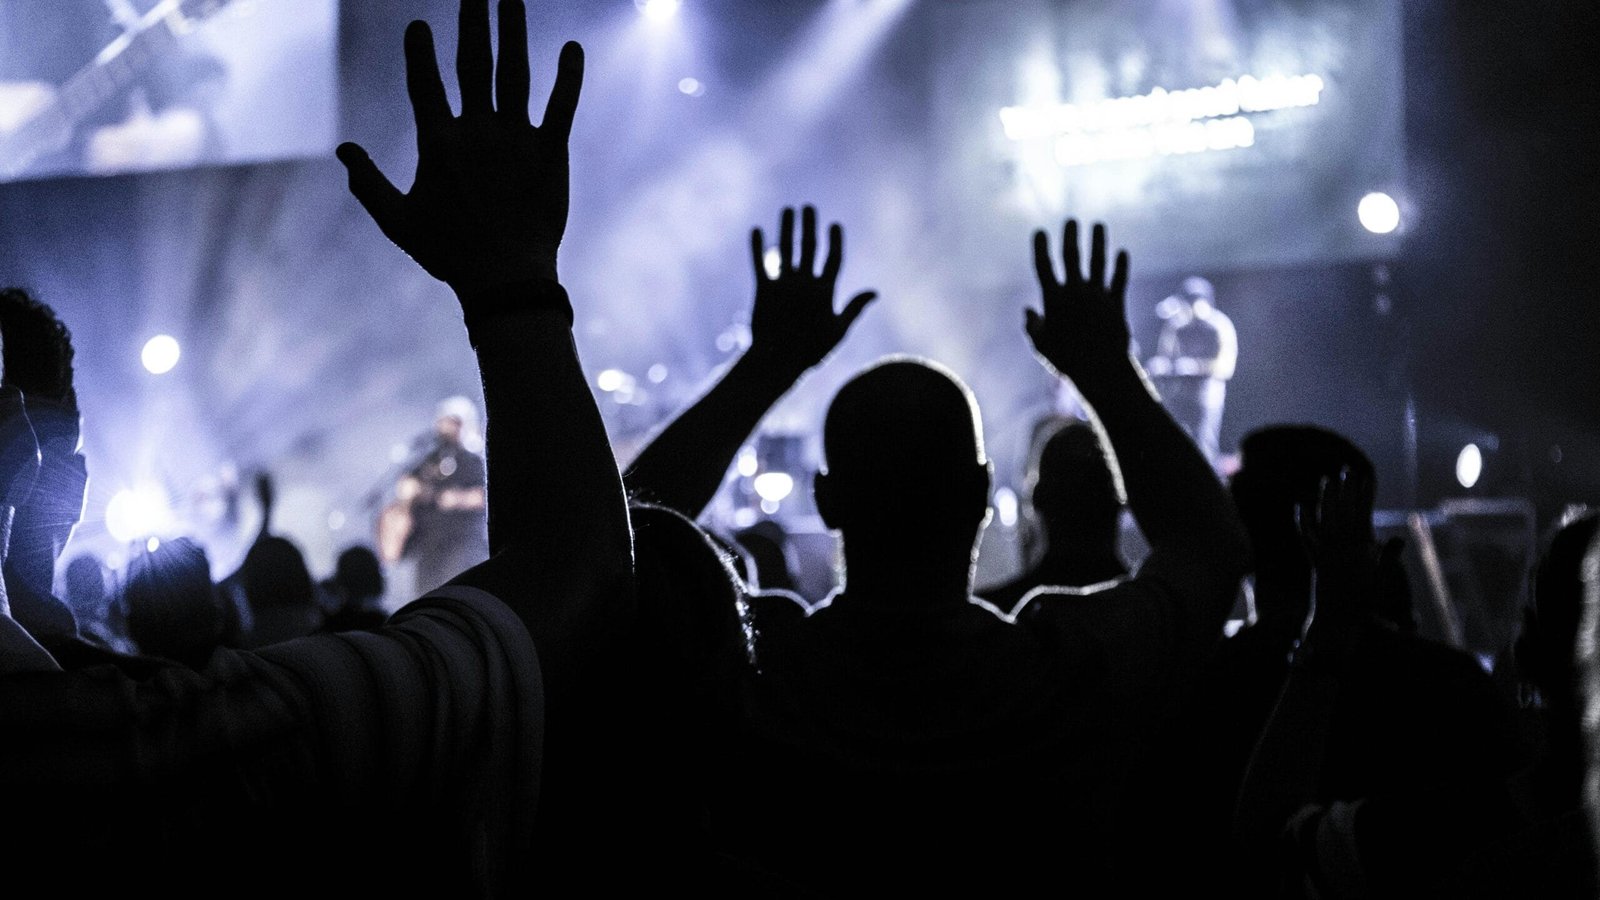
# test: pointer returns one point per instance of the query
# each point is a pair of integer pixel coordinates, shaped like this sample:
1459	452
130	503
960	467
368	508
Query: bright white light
658	10
1005	506
1378	213
1162	107
152	545
656	373
1469	465
138	513
748	463
772	487
160	354
692	87
610	380
744	518
773	261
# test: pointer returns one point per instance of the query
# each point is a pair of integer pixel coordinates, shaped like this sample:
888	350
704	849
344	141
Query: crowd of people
611	702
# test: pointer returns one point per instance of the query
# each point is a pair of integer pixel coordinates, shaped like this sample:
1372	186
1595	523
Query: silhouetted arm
1285	769
486	215
793	328
1181	508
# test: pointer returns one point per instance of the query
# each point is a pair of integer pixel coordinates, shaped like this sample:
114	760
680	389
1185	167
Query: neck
921	578
1079	560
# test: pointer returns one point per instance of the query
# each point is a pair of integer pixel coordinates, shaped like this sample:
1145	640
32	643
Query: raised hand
489	202
1084	327
1338	537
793	325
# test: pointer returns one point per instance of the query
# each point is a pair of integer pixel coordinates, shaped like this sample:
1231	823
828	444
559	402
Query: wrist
483	308
1112	375
770	368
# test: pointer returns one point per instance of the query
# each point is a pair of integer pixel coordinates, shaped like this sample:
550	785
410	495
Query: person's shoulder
1057	600
780	605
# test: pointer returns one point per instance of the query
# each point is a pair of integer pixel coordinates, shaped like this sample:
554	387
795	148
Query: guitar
42	120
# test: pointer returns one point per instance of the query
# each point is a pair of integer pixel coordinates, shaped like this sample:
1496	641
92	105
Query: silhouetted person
1075	508
355	592
437	517
272	590
1549	848
101	620
1195	357
443	750
1378	739
769	549
918	728
172	605
38	359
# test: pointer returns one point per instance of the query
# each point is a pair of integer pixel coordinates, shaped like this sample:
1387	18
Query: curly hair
37	348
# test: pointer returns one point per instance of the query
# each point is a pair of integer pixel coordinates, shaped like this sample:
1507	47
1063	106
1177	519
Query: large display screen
1214	133
113	86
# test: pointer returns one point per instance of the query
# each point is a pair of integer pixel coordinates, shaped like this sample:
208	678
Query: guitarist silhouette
103	86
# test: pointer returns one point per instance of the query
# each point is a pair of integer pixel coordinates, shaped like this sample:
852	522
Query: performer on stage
105	86
437	516
1195	356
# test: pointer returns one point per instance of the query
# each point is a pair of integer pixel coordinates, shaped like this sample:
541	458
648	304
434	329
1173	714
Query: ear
826	494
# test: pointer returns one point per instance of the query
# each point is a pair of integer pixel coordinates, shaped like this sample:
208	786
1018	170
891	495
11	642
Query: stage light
773	261
1005	506
611	380
1469	466
656	373
160	354
692	87
152	545
773	487
1378	213
658	10
136	513
749	464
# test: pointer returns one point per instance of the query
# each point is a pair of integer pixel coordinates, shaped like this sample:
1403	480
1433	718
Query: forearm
684	464
1286	767
553	484
1173	493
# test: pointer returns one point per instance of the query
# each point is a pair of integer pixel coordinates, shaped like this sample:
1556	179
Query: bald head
906	472
901	422
1071	481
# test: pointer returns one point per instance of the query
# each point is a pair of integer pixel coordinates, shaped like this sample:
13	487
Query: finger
475	59
835	258
1097	255
758	255
786	240
852	310
381	199
563	103
1042	266
511	76
808	239
1069	254
429	104
1119	281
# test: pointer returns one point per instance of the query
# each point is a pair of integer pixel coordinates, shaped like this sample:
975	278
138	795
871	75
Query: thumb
381	199
853	309
1033	324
